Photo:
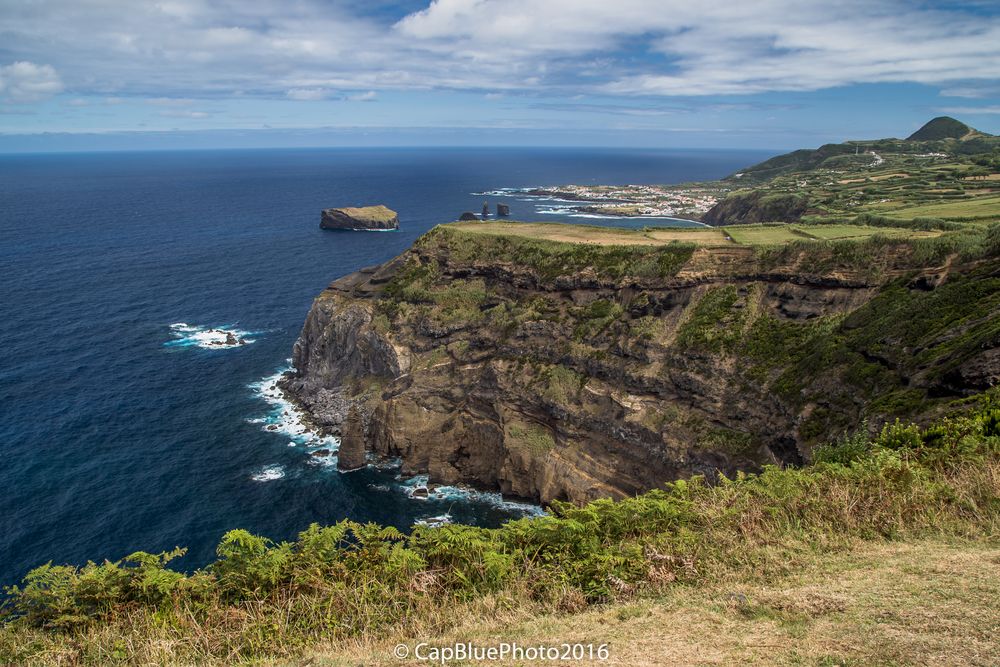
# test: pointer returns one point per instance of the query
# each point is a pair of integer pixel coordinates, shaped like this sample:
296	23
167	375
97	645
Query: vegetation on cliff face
573	371
552	259
262	599
747	207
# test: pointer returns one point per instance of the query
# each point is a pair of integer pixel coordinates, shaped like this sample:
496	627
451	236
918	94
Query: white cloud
369	96
972	111
184	113
723	48
972	92
308	94
170	101
307	49
23	82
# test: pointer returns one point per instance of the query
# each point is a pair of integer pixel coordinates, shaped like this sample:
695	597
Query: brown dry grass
595	235
923	603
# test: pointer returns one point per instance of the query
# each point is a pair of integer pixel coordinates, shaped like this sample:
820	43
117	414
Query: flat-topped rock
359	218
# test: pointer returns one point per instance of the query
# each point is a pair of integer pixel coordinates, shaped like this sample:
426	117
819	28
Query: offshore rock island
364	218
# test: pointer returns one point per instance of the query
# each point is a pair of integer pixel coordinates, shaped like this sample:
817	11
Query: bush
262	599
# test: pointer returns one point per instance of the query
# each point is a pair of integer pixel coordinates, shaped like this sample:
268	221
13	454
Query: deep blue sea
116	432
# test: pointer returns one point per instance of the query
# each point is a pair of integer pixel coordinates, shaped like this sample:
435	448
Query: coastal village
684	201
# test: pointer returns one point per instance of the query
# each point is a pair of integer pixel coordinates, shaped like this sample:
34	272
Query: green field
746	235
840	232
983	206
764	234
590	234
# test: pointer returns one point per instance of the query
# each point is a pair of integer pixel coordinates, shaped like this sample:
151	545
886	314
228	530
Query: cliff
359	219
749	207
573	371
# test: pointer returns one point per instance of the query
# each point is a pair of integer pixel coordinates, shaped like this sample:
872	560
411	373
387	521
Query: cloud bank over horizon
92	65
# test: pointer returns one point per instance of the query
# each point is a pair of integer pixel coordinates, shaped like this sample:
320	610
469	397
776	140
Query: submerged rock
360	218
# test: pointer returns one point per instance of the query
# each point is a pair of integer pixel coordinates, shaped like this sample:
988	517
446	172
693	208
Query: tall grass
263	599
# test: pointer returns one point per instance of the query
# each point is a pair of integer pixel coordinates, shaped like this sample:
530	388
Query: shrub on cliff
551	259
262	598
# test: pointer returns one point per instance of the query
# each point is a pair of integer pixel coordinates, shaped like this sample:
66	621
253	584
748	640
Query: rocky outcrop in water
362	218
604	372
351	455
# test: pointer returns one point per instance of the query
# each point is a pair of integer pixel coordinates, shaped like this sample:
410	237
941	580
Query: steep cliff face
741	208
566	371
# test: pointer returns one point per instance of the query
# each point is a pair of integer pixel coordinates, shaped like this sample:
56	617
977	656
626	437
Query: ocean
120	430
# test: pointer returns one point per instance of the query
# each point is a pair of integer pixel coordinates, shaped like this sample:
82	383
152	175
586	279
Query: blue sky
773	74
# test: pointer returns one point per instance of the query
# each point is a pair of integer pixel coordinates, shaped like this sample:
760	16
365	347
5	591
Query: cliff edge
571	371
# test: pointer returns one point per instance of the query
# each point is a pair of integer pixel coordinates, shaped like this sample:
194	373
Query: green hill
942	127
936	136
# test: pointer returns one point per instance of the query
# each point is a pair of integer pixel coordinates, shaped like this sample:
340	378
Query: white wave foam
417	488
434	521
269	474
287	419
500	192
209	338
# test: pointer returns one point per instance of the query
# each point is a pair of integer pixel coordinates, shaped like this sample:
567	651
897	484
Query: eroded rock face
756	206
359	218
582	385
351	455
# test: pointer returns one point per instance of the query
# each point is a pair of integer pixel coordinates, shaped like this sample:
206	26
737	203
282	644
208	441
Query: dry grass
923	603
551	231
746	235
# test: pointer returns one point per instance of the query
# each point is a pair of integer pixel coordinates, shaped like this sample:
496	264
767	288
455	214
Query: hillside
943	127
946	170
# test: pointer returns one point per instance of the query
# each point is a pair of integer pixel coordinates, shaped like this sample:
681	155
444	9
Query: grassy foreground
924	602
347	583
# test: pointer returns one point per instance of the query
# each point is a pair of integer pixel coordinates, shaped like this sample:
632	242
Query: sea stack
361	218
503	210
352	442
